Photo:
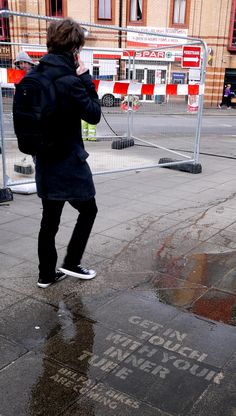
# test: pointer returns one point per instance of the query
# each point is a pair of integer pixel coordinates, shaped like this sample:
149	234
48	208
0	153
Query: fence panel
151	106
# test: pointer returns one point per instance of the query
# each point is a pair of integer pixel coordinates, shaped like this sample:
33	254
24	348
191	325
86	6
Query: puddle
204	283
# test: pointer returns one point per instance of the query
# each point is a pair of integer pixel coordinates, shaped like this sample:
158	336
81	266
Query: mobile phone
75	54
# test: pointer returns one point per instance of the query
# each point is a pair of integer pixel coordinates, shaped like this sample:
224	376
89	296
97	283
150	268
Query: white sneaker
79	271
45	283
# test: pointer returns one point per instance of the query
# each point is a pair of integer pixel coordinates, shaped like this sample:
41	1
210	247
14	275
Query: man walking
65	175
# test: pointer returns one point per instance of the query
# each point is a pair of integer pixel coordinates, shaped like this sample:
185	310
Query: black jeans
47	252
226	101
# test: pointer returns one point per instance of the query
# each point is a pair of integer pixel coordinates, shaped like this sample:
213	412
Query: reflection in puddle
204	283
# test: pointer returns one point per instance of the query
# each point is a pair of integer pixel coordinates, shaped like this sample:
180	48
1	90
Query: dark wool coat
66	175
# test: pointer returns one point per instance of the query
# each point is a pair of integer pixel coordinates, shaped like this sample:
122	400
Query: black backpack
35	113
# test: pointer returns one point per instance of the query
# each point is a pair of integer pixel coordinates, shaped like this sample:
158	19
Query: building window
104	9
2	31
3	5
232	28
55	8
179	13
136	10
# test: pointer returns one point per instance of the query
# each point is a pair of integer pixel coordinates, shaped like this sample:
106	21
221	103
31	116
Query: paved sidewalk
153	334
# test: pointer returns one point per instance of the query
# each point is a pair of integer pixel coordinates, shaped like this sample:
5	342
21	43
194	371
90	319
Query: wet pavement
154	333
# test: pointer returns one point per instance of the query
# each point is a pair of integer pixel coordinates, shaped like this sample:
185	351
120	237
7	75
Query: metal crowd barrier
140	119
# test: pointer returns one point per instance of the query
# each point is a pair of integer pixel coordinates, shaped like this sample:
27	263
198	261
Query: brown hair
64	36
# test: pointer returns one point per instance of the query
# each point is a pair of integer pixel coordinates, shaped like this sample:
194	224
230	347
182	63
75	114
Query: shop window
232	28
136	12
55	8
179	13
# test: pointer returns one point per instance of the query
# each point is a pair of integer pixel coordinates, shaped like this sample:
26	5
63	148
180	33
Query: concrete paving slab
224	238
105	246
216	304
103	400
159	376
102	223
20	278
9	298
30	322
8	236
27	250
86	305
117	313
158	358
123	215
219	400
183	359
38	387
211	248
199	267
9	352
89	258
135	229
84	347
7	261
24	208
176	292
7	216
24	226
228	282
206	341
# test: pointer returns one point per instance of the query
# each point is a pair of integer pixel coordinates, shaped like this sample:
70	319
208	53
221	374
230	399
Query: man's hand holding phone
81	67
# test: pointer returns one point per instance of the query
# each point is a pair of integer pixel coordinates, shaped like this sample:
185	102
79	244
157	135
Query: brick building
212	21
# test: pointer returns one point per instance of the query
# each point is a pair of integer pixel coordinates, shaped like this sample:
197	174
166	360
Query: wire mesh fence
144	95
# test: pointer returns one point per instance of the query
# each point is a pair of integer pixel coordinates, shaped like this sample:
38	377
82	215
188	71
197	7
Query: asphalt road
174	124
218	134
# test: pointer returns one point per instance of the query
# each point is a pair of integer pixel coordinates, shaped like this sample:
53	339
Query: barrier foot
24	168
6	195
183	167
122	143
24	189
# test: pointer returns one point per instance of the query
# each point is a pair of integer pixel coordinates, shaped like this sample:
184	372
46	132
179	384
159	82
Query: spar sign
191	57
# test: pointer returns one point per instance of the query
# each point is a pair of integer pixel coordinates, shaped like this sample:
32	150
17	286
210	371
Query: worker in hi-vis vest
88	131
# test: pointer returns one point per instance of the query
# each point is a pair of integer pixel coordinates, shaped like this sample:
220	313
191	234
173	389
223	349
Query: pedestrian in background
227	97
23	61
67	176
